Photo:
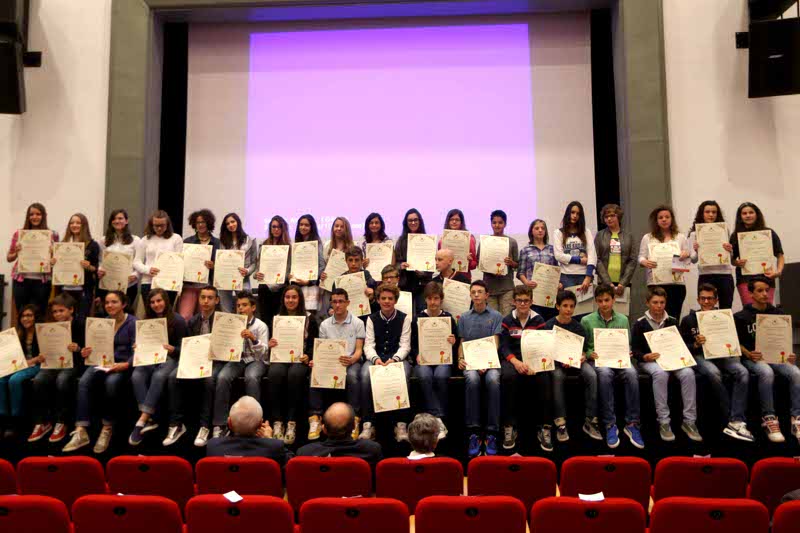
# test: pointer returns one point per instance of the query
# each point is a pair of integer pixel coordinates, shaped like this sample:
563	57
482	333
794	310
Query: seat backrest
170	477
410	481
700	478
558	515
786	518
126	514
470	514
63	478
528	479
354	515
771	478
615	477
319	477
213	513
33	514
708	515
8	478
245	475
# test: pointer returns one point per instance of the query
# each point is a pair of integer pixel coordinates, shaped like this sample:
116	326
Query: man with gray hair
423	434
250	435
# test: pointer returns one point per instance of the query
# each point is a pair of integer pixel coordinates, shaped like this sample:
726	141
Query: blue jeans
367	406
589	377
252	372
433	381
149	382
11	391
50	407
115	385
735	405
765	374
472	408
352	388
605	389
661	387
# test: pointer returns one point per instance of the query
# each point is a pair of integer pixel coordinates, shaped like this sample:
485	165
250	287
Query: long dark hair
39	207
150	231
530	231
301	302
759	224
452	213
84	236
20	329
284	231
381	232
313	235
402	242
111	233
700	219
580	226
226	237
655	230
169	313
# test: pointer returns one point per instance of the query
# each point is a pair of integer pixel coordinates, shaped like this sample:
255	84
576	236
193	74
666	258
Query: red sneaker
39	431
59	433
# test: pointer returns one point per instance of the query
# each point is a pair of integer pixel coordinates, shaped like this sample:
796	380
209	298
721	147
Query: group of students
500	308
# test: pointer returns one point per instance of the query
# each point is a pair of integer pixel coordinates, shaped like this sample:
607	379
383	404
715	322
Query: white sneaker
367	432
796	427
103	440
313	427
79	439
773	428
277	430
738	430
401	432
442	429
219	432
202	437
173	434
291	433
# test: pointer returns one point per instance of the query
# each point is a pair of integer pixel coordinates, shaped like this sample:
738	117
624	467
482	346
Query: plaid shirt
17	276
530	255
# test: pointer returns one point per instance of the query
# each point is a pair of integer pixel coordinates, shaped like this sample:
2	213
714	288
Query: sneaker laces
772	425
173	431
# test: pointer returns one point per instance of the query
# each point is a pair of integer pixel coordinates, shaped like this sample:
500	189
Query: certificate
668	343
34	256
226	336
195	362
290	332
405	303
53	339
662	253
389	387
481	354
613	348
151	336
273	263
585	300
12	358
100	338
457	300
355	285
434	349
305	260
567	347
328	372
379	254
194	262
718	328
537	350
774	337
457	242
710	238
68	269
547	278
335	267
493	253
170	271
756	248
226	270
118	267
421	252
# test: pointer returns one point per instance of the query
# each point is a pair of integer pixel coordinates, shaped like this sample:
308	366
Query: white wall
724	146
55	153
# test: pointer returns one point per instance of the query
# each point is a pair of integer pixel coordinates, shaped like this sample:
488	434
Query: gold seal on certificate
226	336
68	269
421	254
567	347
756	248
668	343
12	358
100	338
170	271
305	260
774	337
718	328
328	372
434	349
290	332
481	354
335	267
118	266
273	263
226	270
547	278
380	254
151	336
457	241
456	298
53	339
34	256
389	387
194	262
537	349
710	238
613	348
195	362
493	253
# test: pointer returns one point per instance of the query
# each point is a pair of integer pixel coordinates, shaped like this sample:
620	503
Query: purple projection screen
345	122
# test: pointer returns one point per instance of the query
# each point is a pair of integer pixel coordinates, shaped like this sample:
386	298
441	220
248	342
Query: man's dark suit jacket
363	449
233	446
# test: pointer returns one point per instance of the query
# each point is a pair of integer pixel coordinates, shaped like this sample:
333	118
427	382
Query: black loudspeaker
774	58
14	19
12	80
768	9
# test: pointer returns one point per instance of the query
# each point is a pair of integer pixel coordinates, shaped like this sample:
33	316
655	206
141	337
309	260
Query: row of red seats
527	478
435	514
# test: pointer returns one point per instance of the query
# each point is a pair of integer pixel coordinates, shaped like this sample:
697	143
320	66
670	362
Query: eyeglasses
707	298
390	277
523	302
413	220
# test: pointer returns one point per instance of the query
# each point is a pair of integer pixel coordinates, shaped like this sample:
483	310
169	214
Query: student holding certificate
759	288
750	219
537	251
149	381
233	237
203	223
375	233
606	318
287	381
341	240
11	386
411	280
306	231
616	256
733	406
31	277
445	270
501	286
573	246
119	240
455	221
270	289
114	379
78	232
710	249
158	237
656	318
354	258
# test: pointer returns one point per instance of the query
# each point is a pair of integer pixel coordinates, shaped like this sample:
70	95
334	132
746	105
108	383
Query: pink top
16	276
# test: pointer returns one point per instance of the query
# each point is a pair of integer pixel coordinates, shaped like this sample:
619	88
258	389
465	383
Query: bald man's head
444	259
338	421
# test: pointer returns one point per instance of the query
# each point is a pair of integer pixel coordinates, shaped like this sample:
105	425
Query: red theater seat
615	477
245	475
354	515
708	515
771	478
33	514
320	477
8	478
470	514
700	478
213	513
410	481
126	514
528	479
170	477
63	478
613	515
786	518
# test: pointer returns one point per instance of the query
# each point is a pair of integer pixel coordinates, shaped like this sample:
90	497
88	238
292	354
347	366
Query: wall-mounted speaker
774	58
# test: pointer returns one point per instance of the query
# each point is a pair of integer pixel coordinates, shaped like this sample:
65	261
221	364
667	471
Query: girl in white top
118	238
158	237
720	274
573	246
342	240
664	229
233	237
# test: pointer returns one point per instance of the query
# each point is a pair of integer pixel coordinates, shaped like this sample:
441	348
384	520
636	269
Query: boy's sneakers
666	433
136	437
491	446
313	427
635	435
509	437
291	433
561	433
59	432
202	437
592	428
356	426
39	431
738	430
690	428
174	433
401	432
150	425
219	432
367	432
103	440
612	436
277	430
473	446
772	428
80	438
796	427
545	437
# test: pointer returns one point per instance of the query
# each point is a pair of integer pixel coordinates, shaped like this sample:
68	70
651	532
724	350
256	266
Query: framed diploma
68	269
585	303
290	332
226	270
305	260
662	253
194	262
421	254
170	271
493	253
718	328
335	267
226	336
433	346
481	354
774	337
355	284
151	336
457	241
756	248
34	256
53	339
710	238
379	254
389	387
273	263
457	300
194	362
668	343
328	372
118	267
100	338
537	350
12	358
567	347
405	303
547	278
613	348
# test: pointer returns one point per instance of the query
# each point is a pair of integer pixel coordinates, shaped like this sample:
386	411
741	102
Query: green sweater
594	320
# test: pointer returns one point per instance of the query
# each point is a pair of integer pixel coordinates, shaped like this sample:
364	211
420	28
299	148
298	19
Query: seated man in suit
250	435
338	423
